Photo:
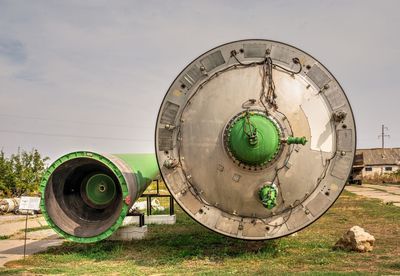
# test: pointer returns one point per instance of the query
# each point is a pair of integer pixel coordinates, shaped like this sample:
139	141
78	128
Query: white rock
356	239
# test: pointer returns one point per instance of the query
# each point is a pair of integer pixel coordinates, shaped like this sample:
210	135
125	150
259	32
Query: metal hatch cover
217	181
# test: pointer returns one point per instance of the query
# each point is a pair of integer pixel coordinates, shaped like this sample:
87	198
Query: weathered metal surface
220	192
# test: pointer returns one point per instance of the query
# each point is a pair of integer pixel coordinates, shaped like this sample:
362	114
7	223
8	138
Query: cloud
112	62
13	50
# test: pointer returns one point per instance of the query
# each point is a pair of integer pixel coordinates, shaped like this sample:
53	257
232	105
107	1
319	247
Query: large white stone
356	239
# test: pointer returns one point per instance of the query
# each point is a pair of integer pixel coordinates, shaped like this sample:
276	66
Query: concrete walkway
8	228
14	218
386	193
13	227
11	250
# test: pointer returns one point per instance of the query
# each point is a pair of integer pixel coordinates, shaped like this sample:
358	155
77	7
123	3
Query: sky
91	75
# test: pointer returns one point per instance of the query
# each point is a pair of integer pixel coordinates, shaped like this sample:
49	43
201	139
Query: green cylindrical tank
86	195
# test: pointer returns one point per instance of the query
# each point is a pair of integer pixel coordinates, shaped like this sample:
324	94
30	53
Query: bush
393	177
21	173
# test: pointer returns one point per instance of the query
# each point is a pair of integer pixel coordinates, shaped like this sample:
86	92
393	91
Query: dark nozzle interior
67	203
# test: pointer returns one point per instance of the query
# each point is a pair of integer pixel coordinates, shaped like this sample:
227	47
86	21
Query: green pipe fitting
296	140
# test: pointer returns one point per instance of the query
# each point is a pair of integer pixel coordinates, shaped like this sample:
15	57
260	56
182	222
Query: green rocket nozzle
100	189
86	195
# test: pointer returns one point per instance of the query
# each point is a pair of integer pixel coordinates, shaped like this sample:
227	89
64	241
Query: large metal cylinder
86	195
9	205
255	139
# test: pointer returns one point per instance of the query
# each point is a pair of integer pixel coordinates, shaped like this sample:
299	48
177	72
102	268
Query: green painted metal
112	167
144	166
144	172
100	189
268	195
254	139
296	140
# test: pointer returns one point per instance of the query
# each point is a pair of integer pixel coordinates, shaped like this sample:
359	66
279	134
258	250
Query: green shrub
21	173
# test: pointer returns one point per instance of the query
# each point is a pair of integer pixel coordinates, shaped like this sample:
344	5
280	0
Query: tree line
20	174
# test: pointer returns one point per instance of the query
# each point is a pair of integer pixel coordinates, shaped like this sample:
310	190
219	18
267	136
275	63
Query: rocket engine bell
255	139
86	195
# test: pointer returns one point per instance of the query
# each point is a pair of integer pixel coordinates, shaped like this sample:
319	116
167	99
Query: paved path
14	218
386	193
8	228
11	250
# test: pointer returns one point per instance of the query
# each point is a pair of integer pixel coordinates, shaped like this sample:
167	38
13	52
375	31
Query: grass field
188	248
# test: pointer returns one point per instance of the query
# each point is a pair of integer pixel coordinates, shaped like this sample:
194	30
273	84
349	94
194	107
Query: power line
73	122
72	136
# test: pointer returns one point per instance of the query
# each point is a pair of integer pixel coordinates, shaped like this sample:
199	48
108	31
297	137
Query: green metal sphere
254	139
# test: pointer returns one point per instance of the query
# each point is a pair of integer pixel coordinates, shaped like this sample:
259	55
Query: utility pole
383	136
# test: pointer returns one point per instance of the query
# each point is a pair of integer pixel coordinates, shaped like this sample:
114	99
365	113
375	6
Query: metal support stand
148	199
26	227
141	218
171	206
157	219
157	194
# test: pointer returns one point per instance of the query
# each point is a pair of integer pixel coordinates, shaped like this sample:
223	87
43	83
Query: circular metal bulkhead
255	139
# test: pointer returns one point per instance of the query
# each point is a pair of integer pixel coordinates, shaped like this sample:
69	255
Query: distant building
374	162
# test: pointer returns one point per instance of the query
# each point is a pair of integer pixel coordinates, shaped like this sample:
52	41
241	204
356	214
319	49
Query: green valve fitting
268	196
296	140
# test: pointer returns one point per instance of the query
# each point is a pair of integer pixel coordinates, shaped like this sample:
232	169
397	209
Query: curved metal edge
117	172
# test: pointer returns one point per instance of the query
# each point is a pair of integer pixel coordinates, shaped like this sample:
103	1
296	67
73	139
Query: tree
21	173
6	176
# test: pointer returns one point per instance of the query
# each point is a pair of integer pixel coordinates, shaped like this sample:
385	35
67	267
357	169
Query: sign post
28	203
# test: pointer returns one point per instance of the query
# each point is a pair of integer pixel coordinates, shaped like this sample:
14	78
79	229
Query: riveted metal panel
165	141
254	50
190	202
169	113
335	98
255	229
318	76
345	139
297	219
212	61
192	76
281	54
177	181
315	205
227	225
341	166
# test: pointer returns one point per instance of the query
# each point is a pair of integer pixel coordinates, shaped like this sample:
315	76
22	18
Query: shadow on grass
169	244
